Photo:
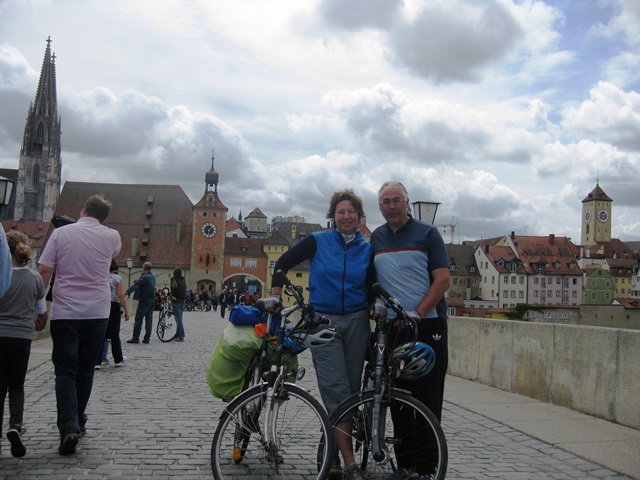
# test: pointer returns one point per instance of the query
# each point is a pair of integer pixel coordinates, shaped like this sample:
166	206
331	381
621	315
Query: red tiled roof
597	194
257	213
152	212
244	246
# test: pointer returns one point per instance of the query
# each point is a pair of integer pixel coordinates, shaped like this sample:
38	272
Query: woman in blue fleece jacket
341	272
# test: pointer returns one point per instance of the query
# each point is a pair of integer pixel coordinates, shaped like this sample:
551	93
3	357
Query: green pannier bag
231	357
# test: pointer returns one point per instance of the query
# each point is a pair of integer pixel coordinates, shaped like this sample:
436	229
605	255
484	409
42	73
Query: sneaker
179	339
105	361
17	447
402	474
353	472
144	341
68	441
133	340
120	364
97	367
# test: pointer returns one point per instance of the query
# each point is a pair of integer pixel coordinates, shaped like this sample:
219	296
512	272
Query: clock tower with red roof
209	218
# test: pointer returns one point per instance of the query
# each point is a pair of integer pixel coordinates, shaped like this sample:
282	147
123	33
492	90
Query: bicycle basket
417	359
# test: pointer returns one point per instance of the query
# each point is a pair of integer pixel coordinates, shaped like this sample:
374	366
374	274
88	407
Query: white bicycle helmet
314	336
418	359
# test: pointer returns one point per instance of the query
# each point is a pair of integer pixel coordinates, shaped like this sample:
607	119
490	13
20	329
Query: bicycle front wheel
289	441
167	328
409	434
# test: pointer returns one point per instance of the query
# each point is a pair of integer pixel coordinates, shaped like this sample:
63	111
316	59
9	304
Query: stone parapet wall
593	370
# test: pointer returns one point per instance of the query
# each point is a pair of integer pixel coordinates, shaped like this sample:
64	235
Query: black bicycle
387	422
167	328
276	429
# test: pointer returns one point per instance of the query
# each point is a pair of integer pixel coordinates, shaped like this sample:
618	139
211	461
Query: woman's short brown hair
349	196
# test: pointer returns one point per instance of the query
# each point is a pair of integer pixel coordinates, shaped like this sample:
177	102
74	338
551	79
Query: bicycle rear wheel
300	428
167	328
411	435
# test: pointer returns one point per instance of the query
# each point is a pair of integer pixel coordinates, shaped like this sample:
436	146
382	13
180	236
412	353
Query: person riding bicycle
412	264
340	274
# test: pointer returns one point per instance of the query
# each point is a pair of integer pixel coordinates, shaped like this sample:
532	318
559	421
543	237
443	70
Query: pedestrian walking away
118	305
22	310
80	254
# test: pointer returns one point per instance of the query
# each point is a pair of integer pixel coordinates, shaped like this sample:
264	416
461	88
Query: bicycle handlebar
392	302
291	289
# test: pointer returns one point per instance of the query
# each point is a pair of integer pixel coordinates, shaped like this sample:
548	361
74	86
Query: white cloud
610	115
504	111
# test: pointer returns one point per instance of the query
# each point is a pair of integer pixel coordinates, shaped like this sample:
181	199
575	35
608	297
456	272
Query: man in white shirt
80	254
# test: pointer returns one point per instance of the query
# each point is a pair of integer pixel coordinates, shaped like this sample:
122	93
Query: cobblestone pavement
154	418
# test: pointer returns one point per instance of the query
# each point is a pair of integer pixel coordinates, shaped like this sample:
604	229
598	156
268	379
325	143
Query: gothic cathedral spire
40	167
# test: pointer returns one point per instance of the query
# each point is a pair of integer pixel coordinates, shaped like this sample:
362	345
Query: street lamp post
6	187
425	211
129	262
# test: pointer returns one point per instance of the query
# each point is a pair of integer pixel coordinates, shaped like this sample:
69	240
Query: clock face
603	216
208	230
587	217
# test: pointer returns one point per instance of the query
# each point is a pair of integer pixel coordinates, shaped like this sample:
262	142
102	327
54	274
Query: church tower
596	217
209	219
40	166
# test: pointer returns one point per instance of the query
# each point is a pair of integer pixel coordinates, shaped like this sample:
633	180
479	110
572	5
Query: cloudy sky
504	111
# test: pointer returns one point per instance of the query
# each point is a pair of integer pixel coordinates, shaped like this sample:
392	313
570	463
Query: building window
520	294
593	296
513	280
505	293
574	294
521	280
536	294
536	281
251	263
513	294
506	279
235	262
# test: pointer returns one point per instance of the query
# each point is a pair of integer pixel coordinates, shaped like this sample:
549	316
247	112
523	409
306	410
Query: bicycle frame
384	371
276	377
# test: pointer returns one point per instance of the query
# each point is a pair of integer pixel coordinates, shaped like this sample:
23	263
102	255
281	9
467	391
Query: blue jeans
144	310
76	344
178	308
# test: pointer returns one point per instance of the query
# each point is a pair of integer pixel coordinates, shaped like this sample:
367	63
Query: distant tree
520	310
